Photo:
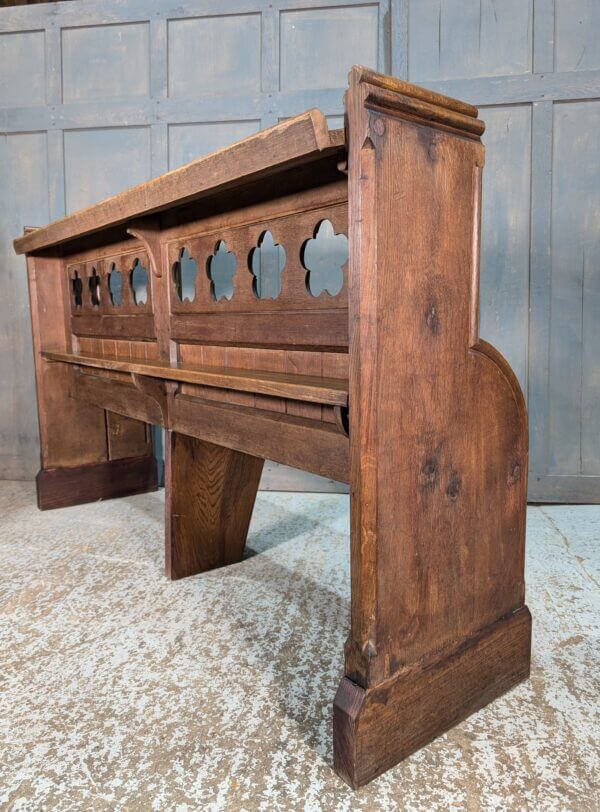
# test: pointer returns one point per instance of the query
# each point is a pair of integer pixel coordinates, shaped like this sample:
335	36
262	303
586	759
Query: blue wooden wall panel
187	141
577	33
105	62
24	187
316	46
121	158
22	69
451	39
214	55
504	286
97	96
574	379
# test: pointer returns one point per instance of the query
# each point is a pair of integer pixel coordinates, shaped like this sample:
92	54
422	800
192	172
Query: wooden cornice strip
295	141
329	391
414	91
388	101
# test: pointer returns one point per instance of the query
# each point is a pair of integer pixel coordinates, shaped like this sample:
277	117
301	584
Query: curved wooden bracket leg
209	497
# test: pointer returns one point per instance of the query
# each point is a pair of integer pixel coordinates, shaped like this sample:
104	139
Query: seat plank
314	389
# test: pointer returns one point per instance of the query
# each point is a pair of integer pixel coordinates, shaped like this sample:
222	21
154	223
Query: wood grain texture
311	388
209	496
376	728
299	139
75	485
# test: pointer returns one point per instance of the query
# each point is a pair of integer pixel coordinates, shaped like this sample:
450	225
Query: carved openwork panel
288	262
117	285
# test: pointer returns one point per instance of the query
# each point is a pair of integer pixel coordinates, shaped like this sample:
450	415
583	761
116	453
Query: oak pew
309	296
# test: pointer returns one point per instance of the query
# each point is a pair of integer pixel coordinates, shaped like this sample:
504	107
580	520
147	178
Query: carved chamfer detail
76	290
94	282
267	261
138	280
324	256
221	269
115	285
185	272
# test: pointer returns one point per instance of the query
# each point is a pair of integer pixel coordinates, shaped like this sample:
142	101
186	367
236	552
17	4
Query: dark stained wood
375	728
70	434
117	396
135	327
313	446
300	330
297	140
314	389
63	487
386	386
210	493
127	437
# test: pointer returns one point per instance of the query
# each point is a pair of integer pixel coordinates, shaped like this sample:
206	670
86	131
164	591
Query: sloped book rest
309	296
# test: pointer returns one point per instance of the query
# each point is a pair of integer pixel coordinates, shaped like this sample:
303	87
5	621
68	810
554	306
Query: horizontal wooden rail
329	391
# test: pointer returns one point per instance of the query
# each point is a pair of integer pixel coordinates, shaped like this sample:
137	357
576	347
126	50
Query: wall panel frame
529	64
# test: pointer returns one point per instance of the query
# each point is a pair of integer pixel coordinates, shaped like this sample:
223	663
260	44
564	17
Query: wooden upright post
438	433
86	453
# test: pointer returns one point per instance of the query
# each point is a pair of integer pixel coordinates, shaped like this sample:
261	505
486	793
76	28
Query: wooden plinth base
376	728
62	487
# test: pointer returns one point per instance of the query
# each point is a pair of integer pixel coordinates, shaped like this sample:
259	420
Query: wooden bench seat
346	263
313	389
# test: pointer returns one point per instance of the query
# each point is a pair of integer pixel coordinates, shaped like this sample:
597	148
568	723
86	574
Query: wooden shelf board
314	389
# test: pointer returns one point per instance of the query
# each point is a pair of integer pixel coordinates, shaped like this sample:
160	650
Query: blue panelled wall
97	96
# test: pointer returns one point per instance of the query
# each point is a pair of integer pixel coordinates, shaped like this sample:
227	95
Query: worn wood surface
376	727
437	480
298	387
94	481
427	570
210	493
297	140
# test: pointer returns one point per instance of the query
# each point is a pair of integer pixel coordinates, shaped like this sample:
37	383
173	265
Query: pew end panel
438	439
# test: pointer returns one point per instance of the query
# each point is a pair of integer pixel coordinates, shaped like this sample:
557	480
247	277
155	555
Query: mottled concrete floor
121	690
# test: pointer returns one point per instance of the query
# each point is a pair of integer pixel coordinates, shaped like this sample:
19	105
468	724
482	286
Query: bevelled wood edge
296	140
63	487
408	89
374	729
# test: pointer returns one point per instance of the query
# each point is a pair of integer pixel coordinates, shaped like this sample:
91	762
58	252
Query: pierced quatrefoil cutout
115	285
94	283
139	282
185	271
267	261
77	290
324	256
220	269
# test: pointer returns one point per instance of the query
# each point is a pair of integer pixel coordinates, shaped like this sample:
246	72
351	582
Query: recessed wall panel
577	35
574	380
22	69
105	62
504	283
214	55
454	39
319	46
24	181
100	163
190	141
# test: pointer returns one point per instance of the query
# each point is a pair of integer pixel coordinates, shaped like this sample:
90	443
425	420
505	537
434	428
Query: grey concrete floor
121	690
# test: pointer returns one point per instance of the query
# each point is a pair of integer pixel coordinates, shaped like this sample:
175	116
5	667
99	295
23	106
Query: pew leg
209	496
